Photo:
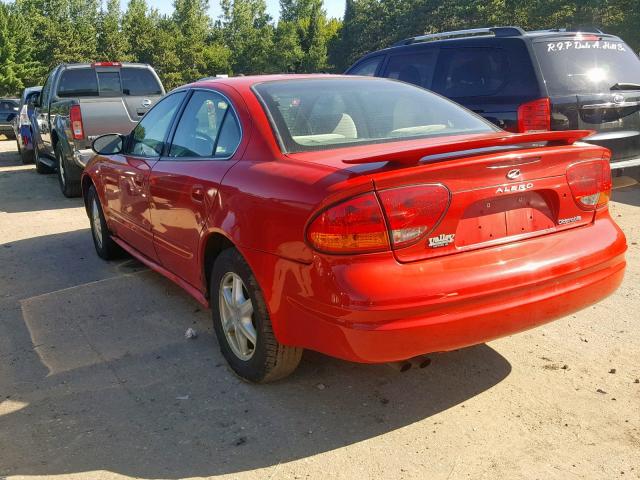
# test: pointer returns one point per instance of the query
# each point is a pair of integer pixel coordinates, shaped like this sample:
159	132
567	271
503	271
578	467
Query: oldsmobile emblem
513	174
617	98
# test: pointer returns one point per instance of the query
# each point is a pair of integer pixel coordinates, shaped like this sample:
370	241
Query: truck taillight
354	226
75	116
590	183
396	217
534	116
413	211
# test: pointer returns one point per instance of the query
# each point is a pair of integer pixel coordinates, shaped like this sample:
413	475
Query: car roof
486	34
251	80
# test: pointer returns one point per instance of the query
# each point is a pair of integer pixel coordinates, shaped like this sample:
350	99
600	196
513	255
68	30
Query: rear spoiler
412	155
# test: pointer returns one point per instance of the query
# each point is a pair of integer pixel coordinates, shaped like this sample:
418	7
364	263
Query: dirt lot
97	380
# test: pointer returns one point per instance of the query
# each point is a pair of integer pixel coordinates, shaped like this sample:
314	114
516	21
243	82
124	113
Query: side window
148	137
46	91
415	68
470	72
208	128
367	68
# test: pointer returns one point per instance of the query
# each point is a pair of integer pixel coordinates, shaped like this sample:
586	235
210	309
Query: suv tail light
24	116
590	183
413	211
534	116
76	122
354	226
359	225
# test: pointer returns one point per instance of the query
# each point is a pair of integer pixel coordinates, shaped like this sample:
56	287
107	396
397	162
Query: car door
42	135
126	177
184	184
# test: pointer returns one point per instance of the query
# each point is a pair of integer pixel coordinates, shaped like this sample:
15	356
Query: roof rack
471	32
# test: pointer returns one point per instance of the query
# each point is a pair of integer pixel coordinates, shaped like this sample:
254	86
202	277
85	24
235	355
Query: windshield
573	67
319	114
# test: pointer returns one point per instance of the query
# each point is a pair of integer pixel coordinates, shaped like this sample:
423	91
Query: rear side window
367	68
208	128
572	67
415	68
78	82
470	72
139	82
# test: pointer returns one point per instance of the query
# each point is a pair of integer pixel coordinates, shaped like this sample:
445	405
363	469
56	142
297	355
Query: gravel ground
98	382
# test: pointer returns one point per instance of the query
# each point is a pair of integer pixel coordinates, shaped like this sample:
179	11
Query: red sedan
364	218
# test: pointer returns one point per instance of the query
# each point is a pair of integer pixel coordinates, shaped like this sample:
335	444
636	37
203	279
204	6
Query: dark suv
525	81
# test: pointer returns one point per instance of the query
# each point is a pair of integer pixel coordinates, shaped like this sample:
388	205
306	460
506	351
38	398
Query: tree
112	43
248	33
9	81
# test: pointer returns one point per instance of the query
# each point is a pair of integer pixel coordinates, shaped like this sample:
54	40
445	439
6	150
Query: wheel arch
214	244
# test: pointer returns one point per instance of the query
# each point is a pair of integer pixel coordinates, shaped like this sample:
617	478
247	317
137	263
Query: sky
334	8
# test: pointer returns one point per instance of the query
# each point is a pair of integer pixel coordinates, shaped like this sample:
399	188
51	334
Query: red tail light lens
590	183
534	116
355	226
75	116
413	211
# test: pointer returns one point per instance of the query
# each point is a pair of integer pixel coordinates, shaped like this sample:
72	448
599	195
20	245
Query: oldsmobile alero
367	219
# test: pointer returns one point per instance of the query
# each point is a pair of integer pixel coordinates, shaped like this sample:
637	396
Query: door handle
197	193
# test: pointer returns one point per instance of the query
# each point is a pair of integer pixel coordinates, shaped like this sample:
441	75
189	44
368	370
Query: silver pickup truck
80	102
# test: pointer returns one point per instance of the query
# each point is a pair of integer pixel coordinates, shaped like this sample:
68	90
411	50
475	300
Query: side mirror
109	144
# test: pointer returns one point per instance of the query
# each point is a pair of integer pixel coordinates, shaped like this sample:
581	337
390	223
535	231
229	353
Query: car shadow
22	189
629	195
97	375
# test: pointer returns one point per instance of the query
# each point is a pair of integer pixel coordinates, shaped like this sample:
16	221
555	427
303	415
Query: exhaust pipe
420	361
402	366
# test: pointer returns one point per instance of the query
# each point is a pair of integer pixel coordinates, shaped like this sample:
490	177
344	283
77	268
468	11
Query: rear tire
234	292
68	175
106	248
25	155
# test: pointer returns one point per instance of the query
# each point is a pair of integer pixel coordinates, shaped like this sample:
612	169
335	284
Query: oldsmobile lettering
521	187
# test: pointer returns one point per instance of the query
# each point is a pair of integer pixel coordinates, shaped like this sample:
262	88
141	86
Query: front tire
68	175
242	324
106	248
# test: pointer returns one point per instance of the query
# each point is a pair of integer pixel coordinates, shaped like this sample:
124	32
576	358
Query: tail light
590	183
76	122
354	226
24	116
413	211
534	116
362	225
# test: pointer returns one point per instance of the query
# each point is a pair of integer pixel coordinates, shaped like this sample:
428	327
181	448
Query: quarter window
208	128
148	137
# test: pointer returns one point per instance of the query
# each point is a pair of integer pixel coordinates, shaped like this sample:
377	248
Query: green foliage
36	35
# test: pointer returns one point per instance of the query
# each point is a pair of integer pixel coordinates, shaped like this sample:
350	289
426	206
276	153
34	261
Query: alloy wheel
236	315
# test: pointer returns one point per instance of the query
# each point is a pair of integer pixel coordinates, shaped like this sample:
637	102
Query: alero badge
520	187
441	240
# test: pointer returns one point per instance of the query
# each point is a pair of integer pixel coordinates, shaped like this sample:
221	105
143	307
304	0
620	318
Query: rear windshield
574	67
128	81
319	114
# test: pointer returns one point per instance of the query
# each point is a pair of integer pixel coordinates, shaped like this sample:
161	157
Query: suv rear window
572	67
139	82
470	72
330	113
78	82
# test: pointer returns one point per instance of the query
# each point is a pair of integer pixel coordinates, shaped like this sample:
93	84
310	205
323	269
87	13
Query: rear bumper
380	310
